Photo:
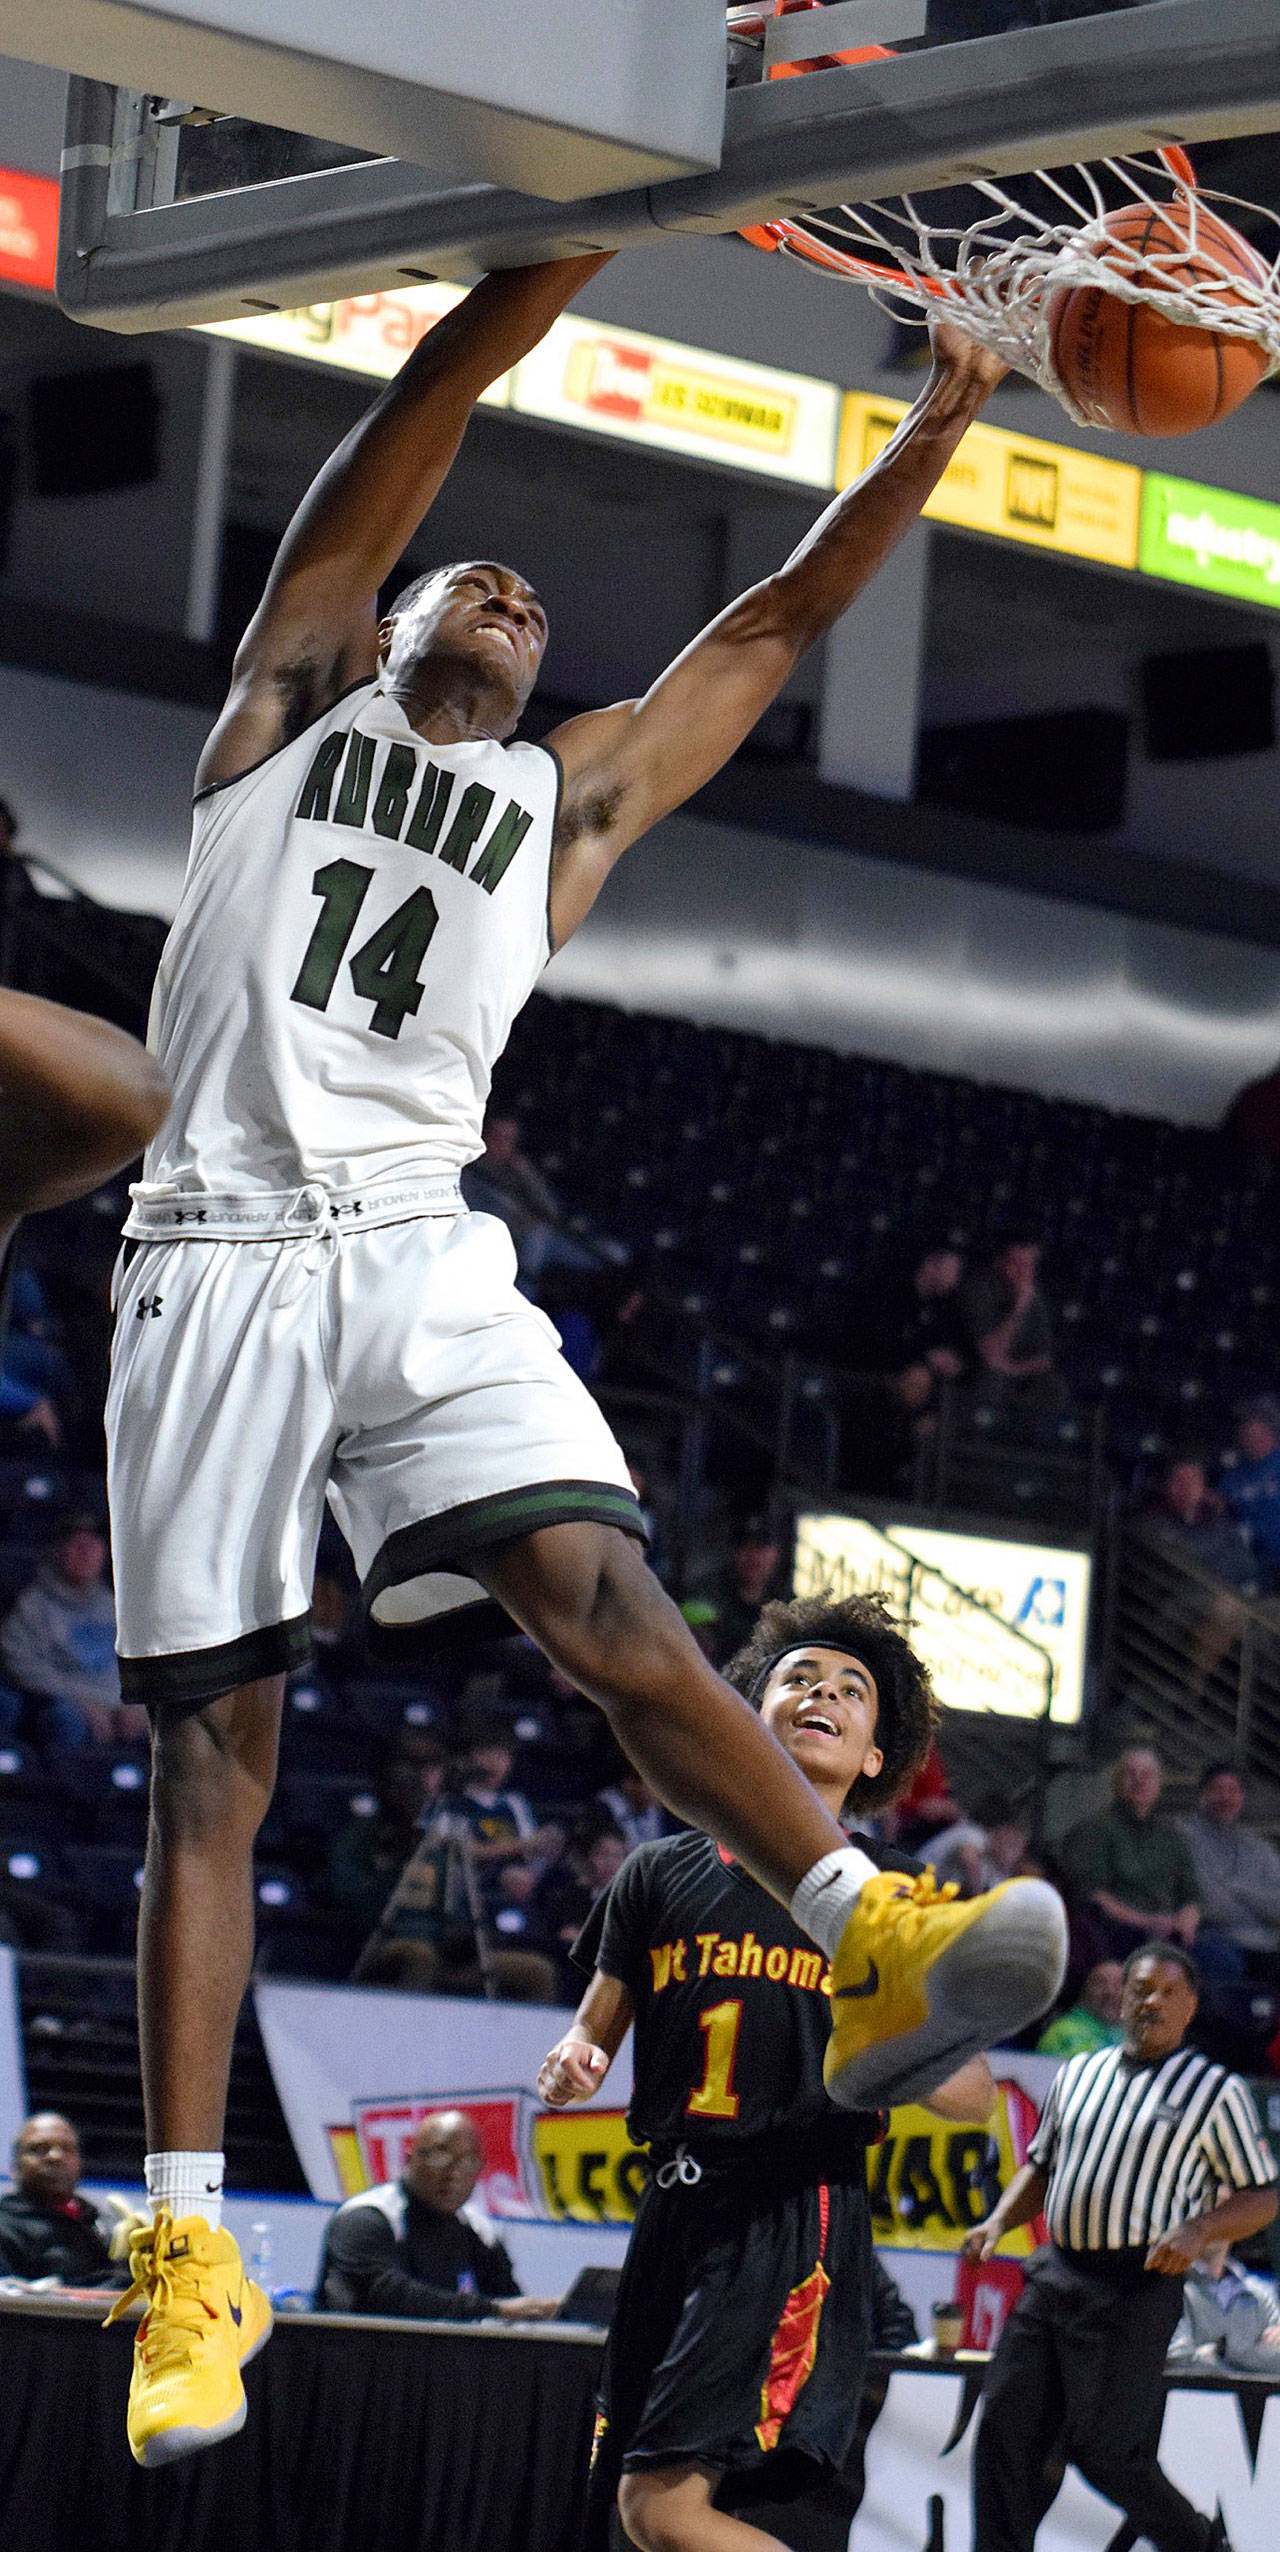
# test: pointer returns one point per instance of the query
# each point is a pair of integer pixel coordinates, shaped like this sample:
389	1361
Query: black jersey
732	2007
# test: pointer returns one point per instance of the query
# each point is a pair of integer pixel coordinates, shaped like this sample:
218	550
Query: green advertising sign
1210	537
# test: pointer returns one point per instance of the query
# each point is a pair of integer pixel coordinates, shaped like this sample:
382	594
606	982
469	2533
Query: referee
1145	2156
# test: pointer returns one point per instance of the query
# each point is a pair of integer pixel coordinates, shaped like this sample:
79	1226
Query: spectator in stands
1189	1521
1094	2019
982	1850
58	1643
1010	1338
418	2248
930	1327
629	1803
368	1854
1228	2318
926	1809
28	1410
1237	1878
499	1819
565	1897
1192	1521
1251	1484
48	2231
747	1582
509	1852
1131	1870
505	1182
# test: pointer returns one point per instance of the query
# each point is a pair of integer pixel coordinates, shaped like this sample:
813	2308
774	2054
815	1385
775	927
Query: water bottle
261	2254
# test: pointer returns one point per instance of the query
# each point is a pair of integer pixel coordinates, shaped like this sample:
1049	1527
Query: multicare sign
1010	485
1210	537
1000	1624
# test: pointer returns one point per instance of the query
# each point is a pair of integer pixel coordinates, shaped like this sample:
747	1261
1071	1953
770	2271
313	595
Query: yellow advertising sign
931	2181
1012	486
586	2167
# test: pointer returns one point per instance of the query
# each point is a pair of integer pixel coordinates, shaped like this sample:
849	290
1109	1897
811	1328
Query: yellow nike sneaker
921	1982
204	2320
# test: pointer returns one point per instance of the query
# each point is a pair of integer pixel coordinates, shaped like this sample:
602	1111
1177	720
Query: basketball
1127	365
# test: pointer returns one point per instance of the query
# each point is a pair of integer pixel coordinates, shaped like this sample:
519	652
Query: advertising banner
1013	486
357	2069
13	2086
371	333
1218	2446
677	398
28	228
996	1621
1209	536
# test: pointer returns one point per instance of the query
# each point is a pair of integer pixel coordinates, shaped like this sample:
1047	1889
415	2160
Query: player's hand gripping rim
573	2071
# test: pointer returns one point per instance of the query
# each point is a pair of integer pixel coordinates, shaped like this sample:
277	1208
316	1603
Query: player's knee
653	2516
204	1787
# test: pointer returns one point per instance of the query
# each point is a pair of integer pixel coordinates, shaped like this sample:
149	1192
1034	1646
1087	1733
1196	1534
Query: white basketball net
997	275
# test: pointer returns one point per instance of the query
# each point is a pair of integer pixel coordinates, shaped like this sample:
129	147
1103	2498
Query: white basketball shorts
397	1371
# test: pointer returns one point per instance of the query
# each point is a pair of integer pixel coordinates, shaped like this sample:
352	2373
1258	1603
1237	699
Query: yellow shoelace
177	2315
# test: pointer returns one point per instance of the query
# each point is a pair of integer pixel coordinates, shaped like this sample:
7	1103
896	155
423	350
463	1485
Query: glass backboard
166	222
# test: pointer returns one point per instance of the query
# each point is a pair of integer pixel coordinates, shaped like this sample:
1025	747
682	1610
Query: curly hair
907	1706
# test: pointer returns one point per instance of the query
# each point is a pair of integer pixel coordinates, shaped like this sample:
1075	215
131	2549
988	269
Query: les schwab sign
929	2180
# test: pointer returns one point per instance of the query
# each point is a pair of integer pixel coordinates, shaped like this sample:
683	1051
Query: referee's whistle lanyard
681	2170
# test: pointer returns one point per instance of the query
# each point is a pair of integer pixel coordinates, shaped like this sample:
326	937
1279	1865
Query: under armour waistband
288	1214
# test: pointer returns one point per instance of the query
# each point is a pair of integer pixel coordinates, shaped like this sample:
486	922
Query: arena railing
1191	1662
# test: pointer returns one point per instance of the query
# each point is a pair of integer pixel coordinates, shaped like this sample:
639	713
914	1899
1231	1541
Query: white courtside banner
1216	2445
13	2081
356	2069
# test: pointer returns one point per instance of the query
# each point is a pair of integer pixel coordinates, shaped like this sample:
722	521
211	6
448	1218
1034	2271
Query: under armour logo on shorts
149	1304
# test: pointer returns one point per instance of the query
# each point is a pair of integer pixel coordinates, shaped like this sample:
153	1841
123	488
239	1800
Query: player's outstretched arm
315	630
78	1098
968	2096
578	2063
625	767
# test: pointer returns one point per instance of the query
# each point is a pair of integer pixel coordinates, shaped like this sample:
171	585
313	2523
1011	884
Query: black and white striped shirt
1132	2149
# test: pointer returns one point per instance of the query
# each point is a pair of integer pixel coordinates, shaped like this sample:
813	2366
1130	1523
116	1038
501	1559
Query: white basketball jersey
363	916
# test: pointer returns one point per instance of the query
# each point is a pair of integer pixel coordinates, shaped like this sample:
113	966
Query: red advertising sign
28	228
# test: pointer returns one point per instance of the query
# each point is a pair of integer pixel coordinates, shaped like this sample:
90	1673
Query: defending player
377	878
736	2356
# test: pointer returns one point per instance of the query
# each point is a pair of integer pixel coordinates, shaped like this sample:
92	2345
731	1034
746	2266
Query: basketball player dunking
378	877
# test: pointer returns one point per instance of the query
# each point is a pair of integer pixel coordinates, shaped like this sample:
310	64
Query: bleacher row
778	1187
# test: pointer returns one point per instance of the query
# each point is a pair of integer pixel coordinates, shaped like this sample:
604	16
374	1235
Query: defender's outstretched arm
78	1098
626	766
315	630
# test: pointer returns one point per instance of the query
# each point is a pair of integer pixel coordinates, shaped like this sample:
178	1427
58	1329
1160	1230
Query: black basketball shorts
739	2338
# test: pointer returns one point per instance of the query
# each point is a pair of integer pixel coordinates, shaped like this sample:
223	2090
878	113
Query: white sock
828	1893
187	2184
